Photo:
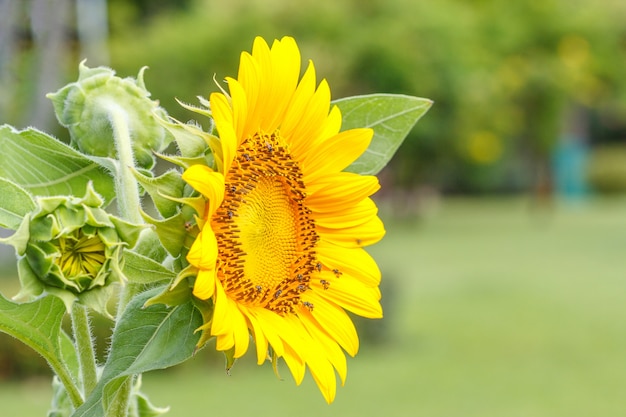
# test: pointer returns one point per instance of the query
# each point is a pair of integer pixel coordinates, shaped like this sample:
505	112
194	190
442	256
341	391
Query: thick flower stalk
70	247
280	249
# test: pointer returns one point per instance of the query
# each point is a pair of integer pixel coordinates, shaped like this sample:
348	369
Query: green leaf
141	406
391	116
140	269
15	203
45	166
171	231
160	188
38	325
144	408
69	354
144	339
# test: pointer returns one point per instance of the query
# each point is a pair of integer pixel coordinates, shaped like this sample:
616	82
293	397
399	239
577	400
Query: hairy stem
129	205
85	348
127	190
66	379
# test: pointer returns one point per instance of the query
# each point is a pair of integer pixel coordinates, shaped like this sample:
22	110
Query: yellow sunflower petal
259	338
203	251
336	153
304	128
249	78
351	294
319	105
220	320
332	124
364	234
352	261
353	216
224	342
329	317
240	107
285	58
268	320
317	360
240	327
293	126
224	123
295	363
280	69
228	324
328	344
204	288
324	376
340	190
209	183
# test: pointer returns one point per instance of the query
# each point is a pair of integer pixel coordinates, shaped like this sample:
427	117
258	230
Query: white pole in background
93	31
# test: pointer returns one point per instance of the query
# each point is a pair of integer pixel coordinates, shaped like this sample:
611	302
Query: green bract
70	247
86	107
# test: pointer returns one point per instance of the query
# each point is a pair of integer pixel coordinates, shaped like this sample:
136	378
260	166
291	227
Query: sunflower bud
72	248
85	108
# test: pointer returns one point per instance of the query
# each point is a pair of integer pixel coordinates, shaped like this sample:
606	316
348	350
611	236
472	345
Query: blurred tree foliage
504	76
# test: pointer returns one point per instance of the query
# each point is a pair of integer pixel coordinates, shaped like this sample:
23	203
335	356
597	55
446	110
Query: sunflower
280	250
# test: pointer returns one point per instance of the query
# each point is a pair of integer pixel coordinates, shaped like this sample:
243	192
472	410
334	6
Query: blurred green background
503	265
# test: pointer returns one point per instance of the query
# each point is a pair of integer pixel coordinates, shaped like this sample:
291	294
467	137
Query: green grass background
493	308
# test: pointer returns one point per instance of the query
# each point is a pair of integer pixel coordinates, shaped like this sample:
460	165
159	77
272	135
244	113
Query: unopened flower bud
72	248
86	106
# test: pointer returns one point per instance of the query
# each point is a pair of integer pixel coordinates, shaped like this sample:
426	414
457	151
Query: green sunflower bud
70	247
85	107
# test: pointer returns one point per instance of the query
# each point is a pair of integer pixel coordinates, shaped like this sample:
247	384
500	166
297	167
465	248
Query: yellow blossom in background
484	148
280	251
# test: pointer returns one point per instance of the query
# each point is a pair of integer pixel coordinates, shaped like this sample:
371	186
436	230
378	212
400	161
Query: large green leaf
38	325
144	339
44	166
15	203
391	116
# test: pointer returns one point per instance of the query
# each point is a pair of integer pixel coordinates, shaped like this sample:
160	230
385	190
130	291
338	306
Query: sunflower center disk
265	235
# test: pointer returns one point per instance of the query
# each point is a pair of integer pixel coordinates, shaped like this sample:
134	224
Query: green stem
129	206
127	191
84	345
61	371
